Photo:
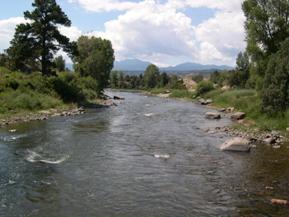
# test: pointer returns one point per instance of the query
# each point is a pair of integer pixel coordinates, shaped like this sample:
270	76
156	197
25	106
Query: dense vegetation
32	77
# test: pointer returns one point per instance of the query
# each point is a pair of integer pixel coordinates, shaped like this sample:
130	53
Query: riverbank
41	115
255	125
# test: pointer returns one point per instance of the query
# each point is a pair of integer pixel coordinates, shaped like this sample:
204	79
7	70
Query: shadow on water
147	157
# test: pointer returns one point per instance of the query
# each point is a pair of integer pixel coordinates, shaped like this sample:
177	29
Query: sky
164	32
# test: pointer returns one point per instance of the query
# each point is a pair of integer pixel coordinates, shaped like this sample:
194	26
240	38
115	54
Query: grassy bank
249	102
244	100
28	93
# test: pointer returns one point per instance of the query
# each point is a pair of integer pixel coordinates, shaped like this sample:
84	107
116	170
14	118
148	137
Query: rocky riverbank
245	128
40	116
46	114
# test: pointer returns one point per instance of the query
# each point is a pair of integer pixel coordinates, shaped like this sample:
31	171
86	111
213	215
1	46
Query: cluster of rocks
242	140
237	116
40	116
256	136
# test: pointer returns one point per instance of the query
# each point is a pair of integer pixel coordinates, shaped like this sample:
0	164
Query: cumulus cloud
158	31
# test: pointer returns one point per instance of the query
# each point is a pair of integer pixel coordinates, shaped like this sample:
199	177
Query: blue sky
165	32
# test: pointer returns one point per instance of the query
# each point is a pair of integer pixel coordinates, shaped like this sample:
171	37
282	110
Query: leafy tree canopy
95	58
267	26
151	76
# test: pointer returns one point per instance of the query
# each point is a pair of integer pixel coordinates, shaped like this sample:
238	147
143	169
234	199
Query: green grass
249	102
174	93
183	94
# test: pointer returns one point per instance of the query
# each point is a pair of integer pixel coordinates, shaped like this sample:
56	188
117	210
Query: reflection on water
121	161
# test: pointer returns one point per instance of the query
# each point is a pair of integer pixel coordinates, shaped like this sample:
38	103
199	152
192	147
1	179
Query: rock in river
238	116
213	115
237	145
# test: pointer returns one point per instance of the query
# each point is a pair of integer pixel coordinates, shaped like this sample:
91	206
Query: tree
275	93
35	42
59	63
95	58
151	76
240	76
164	79
114	79
176	83
267	26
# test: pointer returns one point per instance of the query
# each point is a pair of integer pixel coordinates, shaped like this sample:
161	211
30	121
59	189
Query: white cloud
107	5
7	29
157	32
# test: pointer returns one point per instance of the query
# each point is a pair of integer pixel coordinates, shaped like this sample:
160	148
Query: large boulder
238	116
213	115
237	144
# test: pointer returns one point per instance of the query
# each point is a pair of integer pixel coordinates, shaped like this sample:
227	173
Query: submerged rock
213	115
238	116
236	144
118	98
162	156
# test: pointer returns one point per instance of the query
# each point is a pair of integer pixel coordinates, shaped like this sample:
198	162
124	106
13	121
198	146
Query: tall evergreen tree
35	42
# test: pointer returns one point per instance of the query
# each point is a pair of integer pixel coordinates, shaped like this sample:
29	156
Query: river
147	157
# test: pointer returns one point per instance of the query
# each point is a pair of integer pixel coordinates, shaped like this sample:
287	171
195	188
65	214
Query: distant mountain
190	67
131	65
138	66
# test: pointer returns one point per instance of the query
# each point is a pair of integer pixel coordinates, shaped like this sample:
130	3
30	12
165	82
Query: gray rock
236	144
213	115
238	116
209	101
230	109
269	141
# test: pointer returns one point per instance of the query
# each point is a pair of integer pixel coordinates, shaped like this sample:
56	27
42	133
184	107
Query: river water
148	157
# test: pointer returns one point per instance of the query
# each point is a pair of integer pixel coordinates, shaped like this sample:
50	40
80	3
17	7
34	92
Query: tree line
152	78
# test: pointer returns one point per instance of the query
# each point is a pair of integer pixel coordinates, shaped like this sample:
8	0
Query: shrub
65	86
204	87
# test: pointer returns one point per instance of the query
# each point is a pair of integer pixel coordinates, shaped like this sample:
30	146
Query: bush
25	99
204	87
66	87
